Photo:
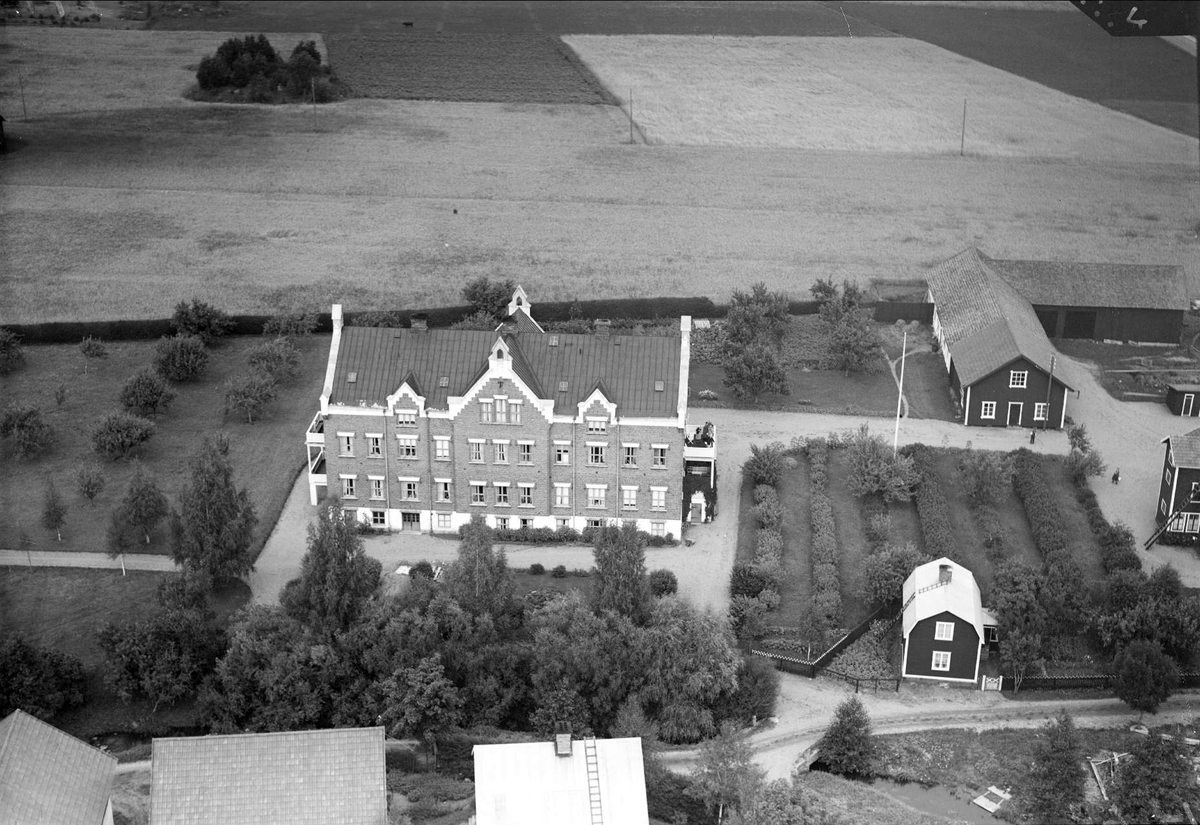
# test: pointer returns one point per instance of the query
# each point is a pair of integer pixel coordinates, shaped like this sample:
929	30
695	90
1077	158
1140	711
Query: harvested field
833	93
504	68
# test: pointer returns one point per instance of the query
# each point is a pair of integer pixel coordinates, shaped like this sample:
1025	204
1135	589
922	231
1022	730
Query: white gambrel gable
925	596
500	367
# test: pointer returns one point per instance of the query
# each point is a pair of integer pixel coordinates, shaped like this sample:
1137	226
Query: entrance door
1188	400
1014	413
410	521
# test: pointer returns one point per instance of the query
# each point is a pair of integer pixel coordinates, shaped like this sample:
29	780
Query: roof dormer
520	301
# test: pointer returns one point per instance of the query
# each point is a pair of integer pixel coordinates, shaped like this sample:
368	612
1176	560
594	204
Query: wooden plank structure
990	805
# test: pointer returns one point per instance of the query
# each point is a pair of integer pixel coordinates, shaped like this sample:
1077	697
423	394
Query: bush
93	348
480	319
40	681
145	392
870	656
1082	466
213	74
746	581
421	569
885	572
566	534
120	434
180	358
278	359
1077	436
249	394
1044	518
986	475
32	435
559	572
765	464
768	514
875	471
490	296
202	320
12	354
295	325
663	583
90	482
827	595
537	569
932	510
376	319
323	90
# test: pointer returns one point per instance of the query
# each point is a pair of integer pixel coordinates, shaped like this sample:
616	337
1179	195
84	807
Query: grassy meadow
497	68
865	94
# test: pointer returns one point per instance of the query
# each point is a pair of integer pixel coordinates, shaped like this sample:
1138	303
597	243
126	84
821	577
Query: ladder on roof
593	777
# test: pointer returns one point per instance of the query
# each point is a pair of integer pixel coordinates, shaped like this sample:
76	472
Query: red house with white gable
945	624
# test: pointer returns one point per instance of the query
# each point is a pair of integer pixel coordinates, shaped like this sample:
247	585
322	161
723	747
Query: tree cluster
851	344
213	528
39	681
754	329
875	469
252	69
12	354
490	298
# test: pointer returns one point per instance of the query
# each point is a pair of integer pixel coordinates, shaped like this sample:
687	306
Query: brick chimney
562	738
945	573
603	328
419	322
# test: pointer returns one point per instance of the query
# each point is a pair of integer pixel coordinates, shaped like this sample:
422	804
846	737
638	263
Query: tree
480	319
874	469
765	464
308	47
848	747
1077	435
180	358
54	512
663	583
277	359
1146	676
621	571
885	572
1057	777
32	435
91	348
986	475
145	392
12	354
120	536
119	434
755	317
336	575
851	344
200	319
756	693
490	296
37	680
144	505
723	771
90	482
1152	780
1016	599
213	529
755	369
422	701
480	580
1081	466
301	70
249	394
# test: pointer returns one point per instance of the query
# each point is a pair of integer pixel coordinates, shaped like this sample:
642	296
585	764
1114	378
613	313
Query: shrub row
932	510
877	521
827	587
991	529
1117	549
72	332
566	535
870	656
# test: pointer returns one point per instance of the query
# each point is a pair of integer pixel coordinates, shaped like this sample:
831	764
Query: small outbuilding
1178	505
945	624
1181	399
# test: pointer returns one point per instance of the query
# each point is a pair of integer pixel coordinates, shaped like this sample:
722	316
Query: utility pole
1049	391
900	397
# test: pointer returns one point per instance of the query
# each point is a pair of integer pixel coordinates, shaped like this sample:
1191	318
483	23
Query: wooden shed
1184	399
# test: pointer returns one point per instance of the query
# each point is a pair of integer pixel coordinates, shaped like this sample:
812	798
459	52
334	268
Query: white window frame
943	632
597	496
658	528
658	456
374	445
487	412
349	486
514	412
1018	379
1039	411
592	447
501	402
501	522
407	484
406	447
658	498
476	447
524	452
379	518
629	455
562	495
443	521
939	663
562	523
629	497
1191	522
478	493
1167	475
406	418
983	410
502	489
444	489
501	450
562	453
441	448
524	495
525	523
376	487
346	444
1162	506
597	426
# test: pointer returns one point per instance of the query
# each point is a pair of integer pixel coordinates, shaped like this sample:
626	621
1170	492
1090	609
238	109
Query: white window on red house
406	418
987	409
501	451
501	410
478	493
477	451
596	495
562	452
597	425
443	521
408	488
944	632
378	518
514	412
1018	379
629	455
487	412
941	660
502	494
596	454
1191	523
1039	411
346	443
376	487
658	528
501	522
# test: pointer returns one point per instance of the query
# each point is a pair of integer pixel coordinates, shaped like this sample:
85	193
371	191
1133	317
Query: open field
266	455
285	207
835	93
512	68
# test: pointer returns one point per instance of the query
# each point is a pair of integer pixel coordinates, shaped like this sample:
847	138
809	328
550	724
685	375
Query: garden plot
869	94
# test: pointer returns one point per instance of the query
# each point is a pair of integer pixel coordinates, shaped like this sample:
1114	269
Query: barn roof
1185	449
529	784
926	594
309	777
372	362
1121	286
48	777
987	324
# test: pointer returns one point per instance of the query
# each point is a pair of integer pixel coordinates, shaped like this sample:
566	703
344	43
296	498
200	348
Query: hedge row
932	510
877	521
827	586
1117	550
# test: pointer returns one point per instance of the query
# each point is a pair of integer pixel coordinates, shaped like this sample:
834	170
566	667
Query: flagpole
900	397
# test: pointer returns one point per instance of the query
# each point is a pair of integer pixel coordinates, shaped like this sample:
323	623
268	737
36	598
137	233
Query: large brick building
420	429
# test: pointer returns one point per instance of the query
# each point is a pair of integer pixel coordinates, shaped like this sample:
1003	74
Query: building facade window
597	425
408	489
562	495
476	451
441	449
501	522
346	443
406	418
376	487
561	523
658	528
987	409
1018	379
526	523
443	521
407	446
595	523
487	412
501	451
478	494
658	498
525	495
1191	523
501	410
596	495
629	498
514	412
629	455
502	493
596	455
1162	507
378	518
443	489
941	660
348	487
525	452
1167	476
562	453
658	455
944	632
374	445
1039	411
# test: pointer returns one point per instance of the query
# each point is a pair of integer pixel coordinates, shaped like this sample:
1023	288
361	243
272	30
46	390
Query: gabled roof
528	784
959	596
1185	449
987	324
1123	286
628	365
48	777
311	777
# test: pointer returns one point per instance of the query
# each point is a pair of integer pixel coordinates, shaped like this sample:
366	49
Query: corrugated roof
986	322
1132	286
629	366
960	596
1185	449
48	777
528	784
316	777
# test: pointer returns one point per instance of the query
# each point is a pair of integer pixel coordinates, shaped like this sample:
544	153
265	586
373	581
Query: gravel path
97	561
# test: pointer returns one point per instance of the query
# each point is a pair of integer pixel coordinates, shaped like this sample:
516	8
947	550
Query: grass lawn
747	524
729	91
795	587
851	539
905	525
525	582
266	455
497	68
812	391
